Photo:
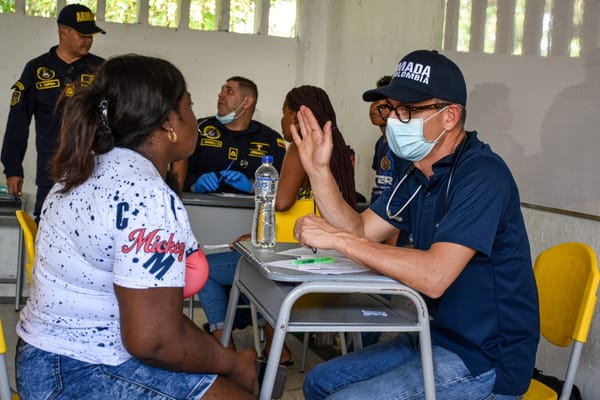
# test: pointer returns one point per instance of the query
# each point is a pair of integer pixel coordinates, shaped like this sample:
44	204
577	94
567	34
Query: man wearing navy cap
471	259
58	72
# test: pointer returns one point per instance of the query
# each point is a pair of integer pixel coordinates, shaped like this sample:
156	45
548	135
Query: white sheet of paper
305	252
215	246
342	265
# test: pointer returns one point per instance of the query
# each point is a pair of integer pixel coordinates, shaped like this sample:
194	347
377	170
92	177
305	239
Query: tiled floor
243	338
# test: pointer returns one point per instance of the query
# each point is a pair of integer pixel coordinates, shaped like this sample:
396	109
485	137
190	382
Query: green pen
316	260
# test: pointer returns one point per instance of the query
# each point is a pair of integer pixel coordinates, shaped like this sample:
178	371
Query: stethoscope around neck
409	170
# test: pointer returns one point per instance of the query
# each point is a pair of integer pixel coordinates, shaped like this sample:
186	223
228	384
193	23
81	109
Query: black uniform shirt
217	147
36	93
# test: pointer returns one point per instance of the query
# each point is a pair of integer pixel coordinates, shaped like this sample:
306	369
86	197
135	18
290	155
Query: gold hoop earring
172	136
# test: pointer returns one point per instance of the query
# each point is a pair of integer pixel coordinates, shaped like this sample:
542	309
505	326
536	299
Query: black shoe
206	327
280	378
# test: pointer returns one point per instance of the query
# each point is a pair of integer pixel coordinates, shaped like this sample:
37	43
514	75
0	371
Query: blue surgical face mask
229	118
406	139
226	119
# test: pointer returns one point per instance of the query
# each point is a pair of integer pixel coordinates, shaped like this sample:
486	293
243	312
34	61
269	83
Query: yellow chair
567	279
29	227
285	220
5	390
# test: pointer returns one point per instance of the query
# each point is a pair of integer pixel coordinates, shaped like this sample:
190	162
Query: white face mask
229	118
406	139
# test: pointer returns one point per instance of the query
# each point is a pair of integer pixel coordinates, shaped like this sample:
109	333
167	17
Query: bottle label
265	185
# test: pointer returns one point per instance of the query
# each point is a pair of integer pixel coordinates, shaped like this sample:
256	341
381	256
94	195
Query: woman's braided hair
318	101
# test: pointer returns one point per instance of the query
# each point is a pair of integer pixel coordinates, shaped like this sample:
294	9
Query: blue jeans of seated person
44	375
213	296
392	370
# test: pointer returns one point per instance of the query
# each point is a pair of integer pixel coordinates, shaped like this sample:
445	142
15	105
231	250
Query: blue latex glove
237	180
206	183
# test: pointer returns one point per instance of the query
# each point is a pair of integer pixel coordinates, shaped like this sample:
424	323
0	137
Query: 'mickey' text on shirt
153	243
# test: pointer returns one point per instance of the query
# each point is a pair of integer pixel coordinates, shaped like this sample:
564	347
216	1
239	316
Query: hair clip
103	107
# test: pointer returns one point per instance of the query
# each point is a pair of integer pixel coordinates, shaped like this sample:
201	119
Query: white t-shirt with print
122	226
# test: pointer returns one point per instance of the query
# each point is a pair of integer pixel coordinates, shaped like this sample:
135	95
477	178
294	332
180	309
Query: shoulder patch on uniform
281	142
18	86
16	97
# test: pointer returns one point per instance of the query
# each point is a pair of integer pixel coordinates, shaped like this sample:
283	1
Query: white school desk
8	206
297	301
219	218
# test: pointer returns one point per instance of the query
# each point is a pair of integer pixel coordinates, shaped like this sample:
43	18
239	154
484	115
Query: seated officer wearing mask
471	259
230	145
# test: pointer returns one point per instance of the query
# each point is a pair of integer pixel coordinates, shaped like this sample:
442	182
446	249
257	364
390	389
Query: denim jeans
214	296
42	375
392	370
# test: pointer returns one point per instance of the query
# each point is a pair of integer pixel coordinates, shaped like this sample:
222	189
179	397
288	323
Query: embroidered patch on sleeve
16	98
18	88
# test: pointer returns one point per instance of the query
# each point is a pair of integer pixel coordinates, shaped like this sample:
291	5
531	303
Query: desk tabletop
260	257
219	200
8	205
231	200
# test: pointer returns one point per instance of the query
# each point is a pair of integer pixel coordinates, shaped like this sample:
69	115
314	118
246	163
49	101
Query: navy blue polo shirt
489	315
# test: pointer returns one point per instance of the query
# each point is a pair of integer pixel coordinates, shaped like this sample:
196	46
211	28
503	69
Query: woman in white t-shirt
115	254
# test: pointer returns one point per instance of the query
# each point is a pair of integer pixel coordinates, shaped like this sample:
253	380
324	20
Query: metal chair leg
304	351
191	308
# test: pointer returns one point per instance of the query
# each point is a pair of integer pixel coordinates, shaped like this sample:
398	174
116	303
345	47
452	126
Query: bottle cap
267	158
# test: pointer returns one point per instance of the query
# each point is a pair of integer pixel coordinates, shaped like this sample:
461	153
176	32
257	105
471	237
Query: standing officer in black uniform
38	93
230	145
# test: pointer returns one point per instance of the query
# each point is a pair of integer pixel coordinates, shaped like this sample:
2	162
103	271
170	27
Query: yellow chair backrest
285	220
2	339
29	227
5	390
567	279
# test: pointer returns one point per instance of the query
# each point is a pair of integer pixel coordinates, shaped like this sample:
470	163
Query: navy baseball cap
423	75
80	18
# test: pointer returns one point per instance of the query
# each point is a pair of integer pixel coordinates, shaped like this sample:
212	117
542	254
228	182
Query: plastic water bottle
265	189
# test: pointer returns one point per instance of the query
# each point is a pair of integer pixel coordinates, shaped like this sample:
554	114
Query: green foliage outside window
7	6
91	4
41	8
202	13
122	11
241	16
163	13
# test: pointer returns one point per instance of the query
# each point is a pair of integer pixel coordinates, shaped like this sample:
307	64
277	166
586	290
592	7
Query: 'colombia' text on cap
423	75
